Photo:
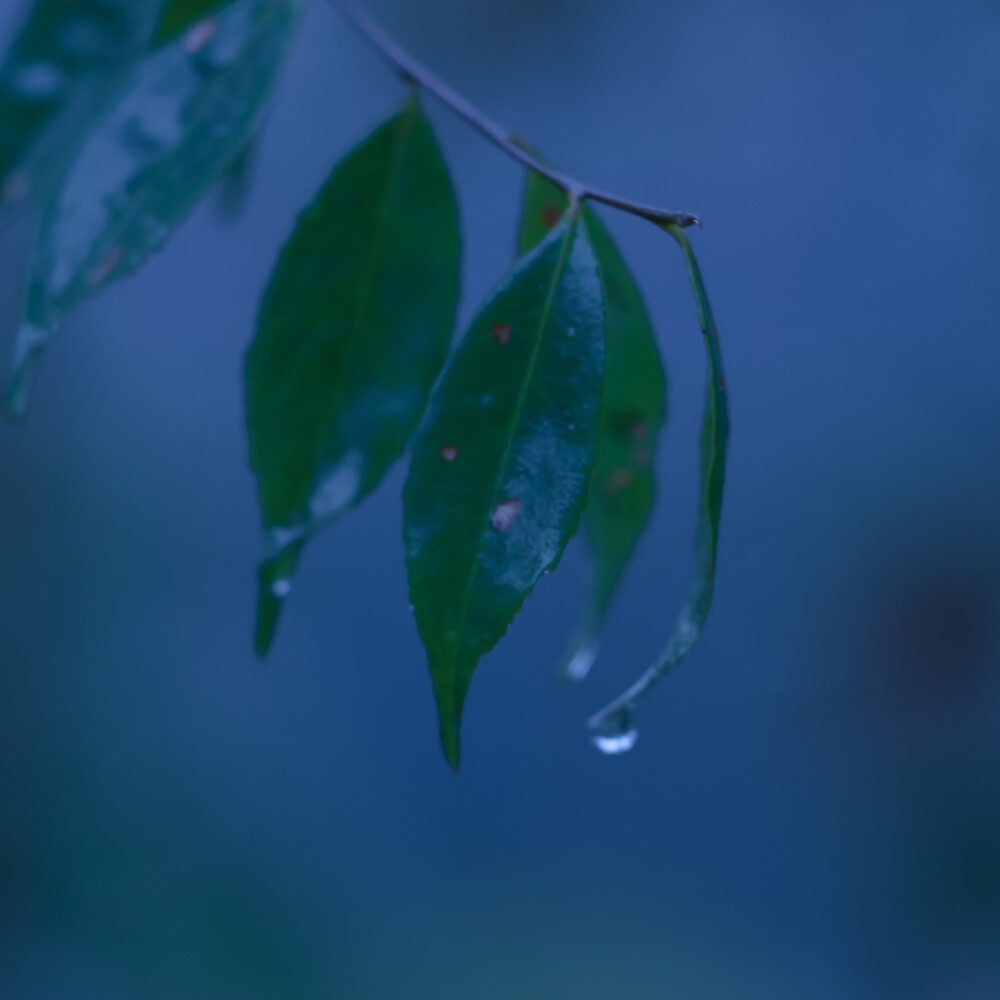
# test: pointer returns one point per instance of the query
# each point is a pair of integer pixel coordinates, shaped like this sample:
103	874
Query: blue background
813	807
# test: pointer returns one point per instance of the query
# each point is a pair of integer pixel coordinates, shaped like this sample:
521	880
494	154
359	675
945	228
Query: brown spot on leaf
617	481
448	452
199	35
501	333
640	456
639	431
100	271
550	216
503	514
721	383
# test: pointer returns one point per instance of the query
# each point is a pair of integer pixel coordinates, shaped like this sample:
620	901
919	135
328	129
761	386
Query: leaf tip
581	658
274	585
29	346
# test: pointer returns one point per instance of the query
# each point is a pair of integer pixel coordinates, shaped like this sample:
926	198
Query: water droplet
448	452
615	733
38	81
504	513
501	333
571	427
571	332
582	660
281	588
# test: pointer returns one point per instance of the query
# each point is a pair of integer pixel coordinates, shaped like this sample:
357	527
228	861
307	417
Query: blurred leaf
55	75
186	113
621	490
177	15
236	182
612	729
353	330
502	459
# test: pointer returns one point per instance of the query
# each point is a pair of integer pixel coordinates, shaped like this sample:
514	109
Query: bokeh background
813	807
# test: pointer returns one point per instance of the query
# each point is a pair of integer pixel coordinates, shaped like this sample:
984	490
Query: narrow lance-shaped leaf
54	77
613	728
621	489
502	459
185	114
353	330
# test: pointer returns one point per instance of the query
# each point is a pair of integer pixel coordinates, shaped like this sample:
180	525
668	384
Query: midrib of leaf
139	203
519	408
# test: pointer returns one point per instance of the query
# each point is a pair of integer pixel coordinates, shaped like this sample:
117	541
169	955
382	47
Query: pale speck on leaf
199	35
504	513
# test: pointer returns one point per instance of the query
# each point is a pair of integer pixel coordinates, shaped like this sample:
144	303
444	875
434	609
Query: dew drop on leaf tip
616	733
582	660
282	587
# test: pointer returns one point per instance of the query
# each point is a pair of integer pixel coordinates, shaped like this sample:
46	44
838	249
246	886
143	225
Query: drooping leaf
353	330
178	15
613	729
621	490
502	459
185	113
54	76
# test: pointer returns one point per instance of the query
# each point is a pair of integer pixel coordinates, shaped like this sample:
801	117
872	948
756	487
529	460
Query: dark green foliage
118	116
184	116
621	489
353	330
502	460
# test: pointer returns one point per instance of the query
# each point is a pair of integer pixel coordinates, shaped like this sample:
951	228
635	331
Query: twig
415	71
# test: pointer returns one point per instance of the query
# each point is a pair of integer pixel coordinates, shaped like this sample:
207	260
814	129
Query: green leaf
55	75
621	489
178	15
184	116
502	459
613	729
352	333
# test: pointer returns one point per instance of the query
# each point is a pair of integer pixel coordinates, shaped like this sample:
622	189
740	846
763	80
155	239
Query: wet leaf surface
503	457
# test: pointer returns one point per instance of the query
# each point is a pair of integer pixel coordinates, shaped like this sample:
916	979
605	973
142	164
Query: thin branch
416	72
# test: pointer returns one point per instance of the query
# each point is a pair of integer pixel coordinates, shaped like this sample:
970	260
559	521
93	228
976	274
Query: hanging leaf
179	15
621	490
186	113
55	75
613	728
353	330
502	459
